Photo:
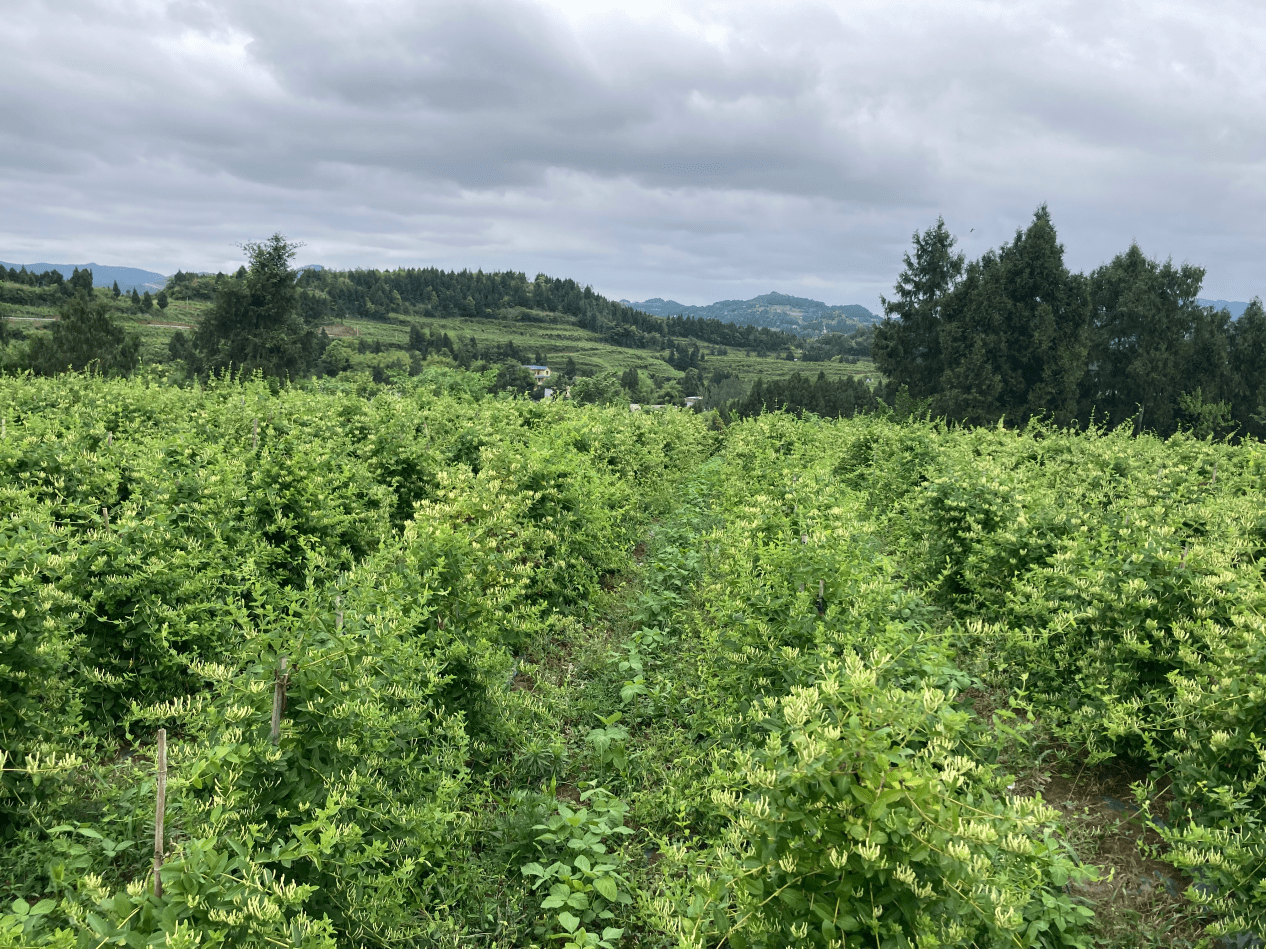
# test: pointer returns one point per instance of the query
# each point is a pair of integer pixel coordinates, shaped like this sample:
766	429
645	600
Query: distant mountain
776	311
128	277
1235	308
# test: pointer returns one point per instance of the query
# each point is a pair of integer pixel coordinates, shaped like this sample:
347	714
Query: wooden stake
109	439
160	810
279	698
255	436
804	538
105	514
338	616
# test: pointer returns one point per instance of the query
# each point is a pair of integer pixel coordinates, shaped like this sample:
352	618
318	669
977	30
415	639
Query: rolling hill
778	311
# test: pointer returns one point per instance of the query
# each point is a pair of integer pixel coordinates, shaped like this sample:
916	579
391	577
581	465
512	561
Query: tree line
1016	335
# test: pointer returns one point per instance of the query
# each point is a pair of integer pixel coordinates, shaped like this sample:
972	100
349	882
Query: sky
694	151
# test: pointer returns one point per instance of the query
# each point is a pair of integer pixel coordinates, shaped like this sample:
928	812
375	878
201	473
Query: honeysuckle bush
858	818
841	798
397	545
774	708
1119	580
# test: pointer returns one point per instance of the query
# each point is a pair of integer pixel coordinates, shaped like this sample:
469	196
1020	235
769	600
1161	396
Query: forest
1015	335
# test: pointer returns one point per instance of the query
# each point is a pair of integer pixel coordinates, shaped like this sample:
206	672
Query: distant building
692	399
634	407
541	373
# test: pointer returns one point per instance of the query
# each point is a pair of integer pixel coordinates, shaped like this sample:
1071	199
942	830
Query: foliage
565	674
585	878
256	323
84	337
864	818
1014	335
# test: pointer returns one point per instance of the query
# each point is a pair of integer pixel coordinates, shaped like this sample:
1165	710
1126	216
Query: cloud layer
694	151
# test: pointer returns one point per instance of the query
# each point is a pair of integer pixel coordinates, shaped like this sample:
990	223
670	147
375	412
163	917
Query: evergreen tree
147	302
85	337
162	299
1143	322
1013	333
255	322
115	290
80	281
136	298
907	345
1247	364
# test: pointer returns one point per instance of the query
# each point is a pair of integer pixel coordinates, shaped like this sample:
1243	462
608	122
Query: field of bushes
561	675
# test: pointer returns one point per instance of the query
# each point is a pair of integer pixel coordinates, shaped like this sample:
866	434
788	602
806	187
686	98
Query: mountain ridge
128	278
779	311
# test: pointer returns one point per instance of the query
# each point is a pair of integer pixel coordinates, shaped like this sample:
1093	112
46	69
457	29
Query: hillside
391	323
777	311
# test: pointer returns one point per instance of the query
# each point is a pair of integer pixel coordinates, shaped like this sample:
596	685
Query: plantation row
565	675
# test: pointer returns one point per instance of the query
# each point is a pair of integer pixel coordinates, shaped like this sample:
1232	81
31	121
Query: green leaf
606	886
568	921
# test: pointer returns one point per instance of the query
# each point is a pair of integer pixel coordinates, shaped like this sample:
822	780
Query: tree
1012	337
907	347
255	322
162	299
80	281
84	337
1143	321
599	390
115	290
513	377
136	298
1247	359
147	302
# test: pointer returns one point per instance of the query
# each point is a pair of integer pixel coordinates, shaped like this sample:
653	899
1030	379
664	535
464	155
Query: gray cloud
693	151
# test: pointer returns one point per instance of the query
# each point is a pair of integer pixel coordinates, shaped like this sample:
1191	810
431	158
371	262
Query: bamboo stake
160	810
338	616
109	439
279	698
105	513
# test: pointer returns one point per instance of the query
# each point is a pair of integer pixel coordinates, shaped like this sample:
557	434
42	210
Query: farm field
559	675
555	335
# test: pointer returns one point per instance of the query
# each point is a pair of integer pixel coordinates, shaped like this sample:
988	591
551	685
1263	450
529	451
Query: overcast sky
698	151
